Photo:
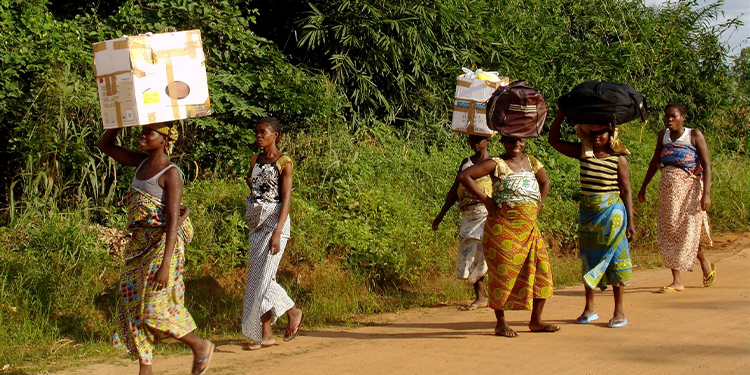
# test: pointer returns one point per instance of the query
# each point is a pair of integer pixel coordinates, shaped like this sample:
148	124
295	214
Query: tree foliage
388	62
389	54
49	112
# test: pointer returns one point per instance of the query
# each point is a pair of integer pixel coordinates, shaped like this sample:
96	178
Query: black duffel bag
602	103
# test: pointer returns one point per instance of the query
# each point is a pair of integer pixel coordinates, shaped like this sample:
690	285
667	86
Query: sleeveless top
151	186
599	176
684	139
680	153
514	188
465	198
266	180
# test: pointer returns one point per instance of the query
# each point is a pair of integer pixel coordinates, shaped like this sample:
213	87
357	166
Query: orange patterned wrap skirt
519	267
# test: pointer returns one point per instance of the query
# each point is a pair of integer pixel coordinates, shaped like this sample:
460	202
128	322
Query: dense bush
49	105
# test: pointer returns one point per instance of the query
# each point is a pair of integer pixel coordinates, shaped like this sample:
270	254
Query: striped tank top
599	176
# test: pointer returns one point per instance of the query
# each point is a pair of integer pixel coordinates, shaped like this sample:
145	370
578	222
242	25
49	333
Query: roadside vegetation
364	90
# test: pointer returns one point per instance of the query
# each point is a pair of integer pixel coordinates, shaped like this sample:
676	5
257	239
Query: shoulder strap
140	165
253	159
536	165
689	137
163	171
501	167
282	162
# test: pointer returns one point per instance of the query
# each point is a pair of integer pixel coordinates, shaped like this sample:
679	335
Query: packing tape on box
172	88
98	47
118	113
111	81
112	85
108	84
495	85
190	50
140	50
472	108
120	44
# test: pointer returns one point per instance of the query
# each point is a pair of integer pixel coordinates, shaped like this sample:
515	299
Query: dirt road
700	330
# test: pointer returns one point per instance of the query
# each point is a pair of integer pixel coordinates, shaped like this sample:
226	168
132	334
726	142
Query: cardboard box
469	110
151	78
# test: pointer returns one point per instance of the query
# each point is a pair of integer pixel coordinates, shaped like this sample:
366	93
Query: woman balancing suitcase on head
684	197
152	293
605	216
519	268
605	221
520	274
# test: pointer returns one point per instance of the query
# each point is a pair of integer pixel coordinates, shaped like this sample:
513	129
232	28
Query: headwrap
583	131
170	130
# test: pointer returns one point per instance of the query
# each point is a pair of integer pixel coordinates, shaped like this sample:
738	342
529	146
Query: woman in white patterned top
270	182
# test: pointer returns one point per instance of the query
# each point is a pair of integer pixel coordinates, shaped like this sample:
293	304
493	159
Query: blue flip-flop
587	319
621	323
206	359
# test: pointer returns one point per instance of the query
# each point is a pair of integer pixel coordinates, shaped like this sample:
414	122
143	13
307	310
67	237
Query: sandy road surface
700	330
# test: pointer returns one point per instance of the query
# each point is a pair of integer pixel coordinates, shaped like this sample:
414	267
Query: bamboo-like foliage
395	62
49	111
385	52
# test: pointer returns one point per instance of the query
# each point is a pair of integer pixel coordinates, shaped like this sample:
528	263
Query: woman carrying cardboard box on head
151	289
470	264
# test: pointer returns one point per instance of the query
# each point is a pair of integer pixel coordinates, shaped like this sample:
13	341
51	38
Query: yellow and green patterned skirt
146	315
519	268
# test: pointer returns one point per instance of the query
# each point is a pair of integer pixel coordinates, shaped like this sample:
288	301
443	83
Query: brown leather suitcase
517	110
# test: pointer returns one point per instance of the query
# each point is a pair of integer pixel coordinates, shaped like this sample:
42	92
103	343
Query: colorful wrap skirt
145	314
602	221
519	270
682	227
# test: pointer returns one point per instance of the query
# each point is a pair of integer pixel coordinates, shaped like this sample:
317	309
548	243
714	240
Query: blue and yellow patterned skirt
602	221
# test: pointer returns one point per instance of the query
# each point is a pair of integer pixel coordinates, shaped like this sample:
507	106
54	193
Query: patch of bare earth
699	330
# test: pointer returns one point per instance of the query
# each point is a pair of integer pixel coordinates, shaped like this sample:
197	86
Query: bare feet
672	288
506	332
256	346
543	327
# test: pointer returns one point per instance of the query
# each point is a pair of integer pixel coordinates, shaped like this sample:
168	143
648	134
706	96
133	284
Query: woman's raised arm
569	149
119	153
